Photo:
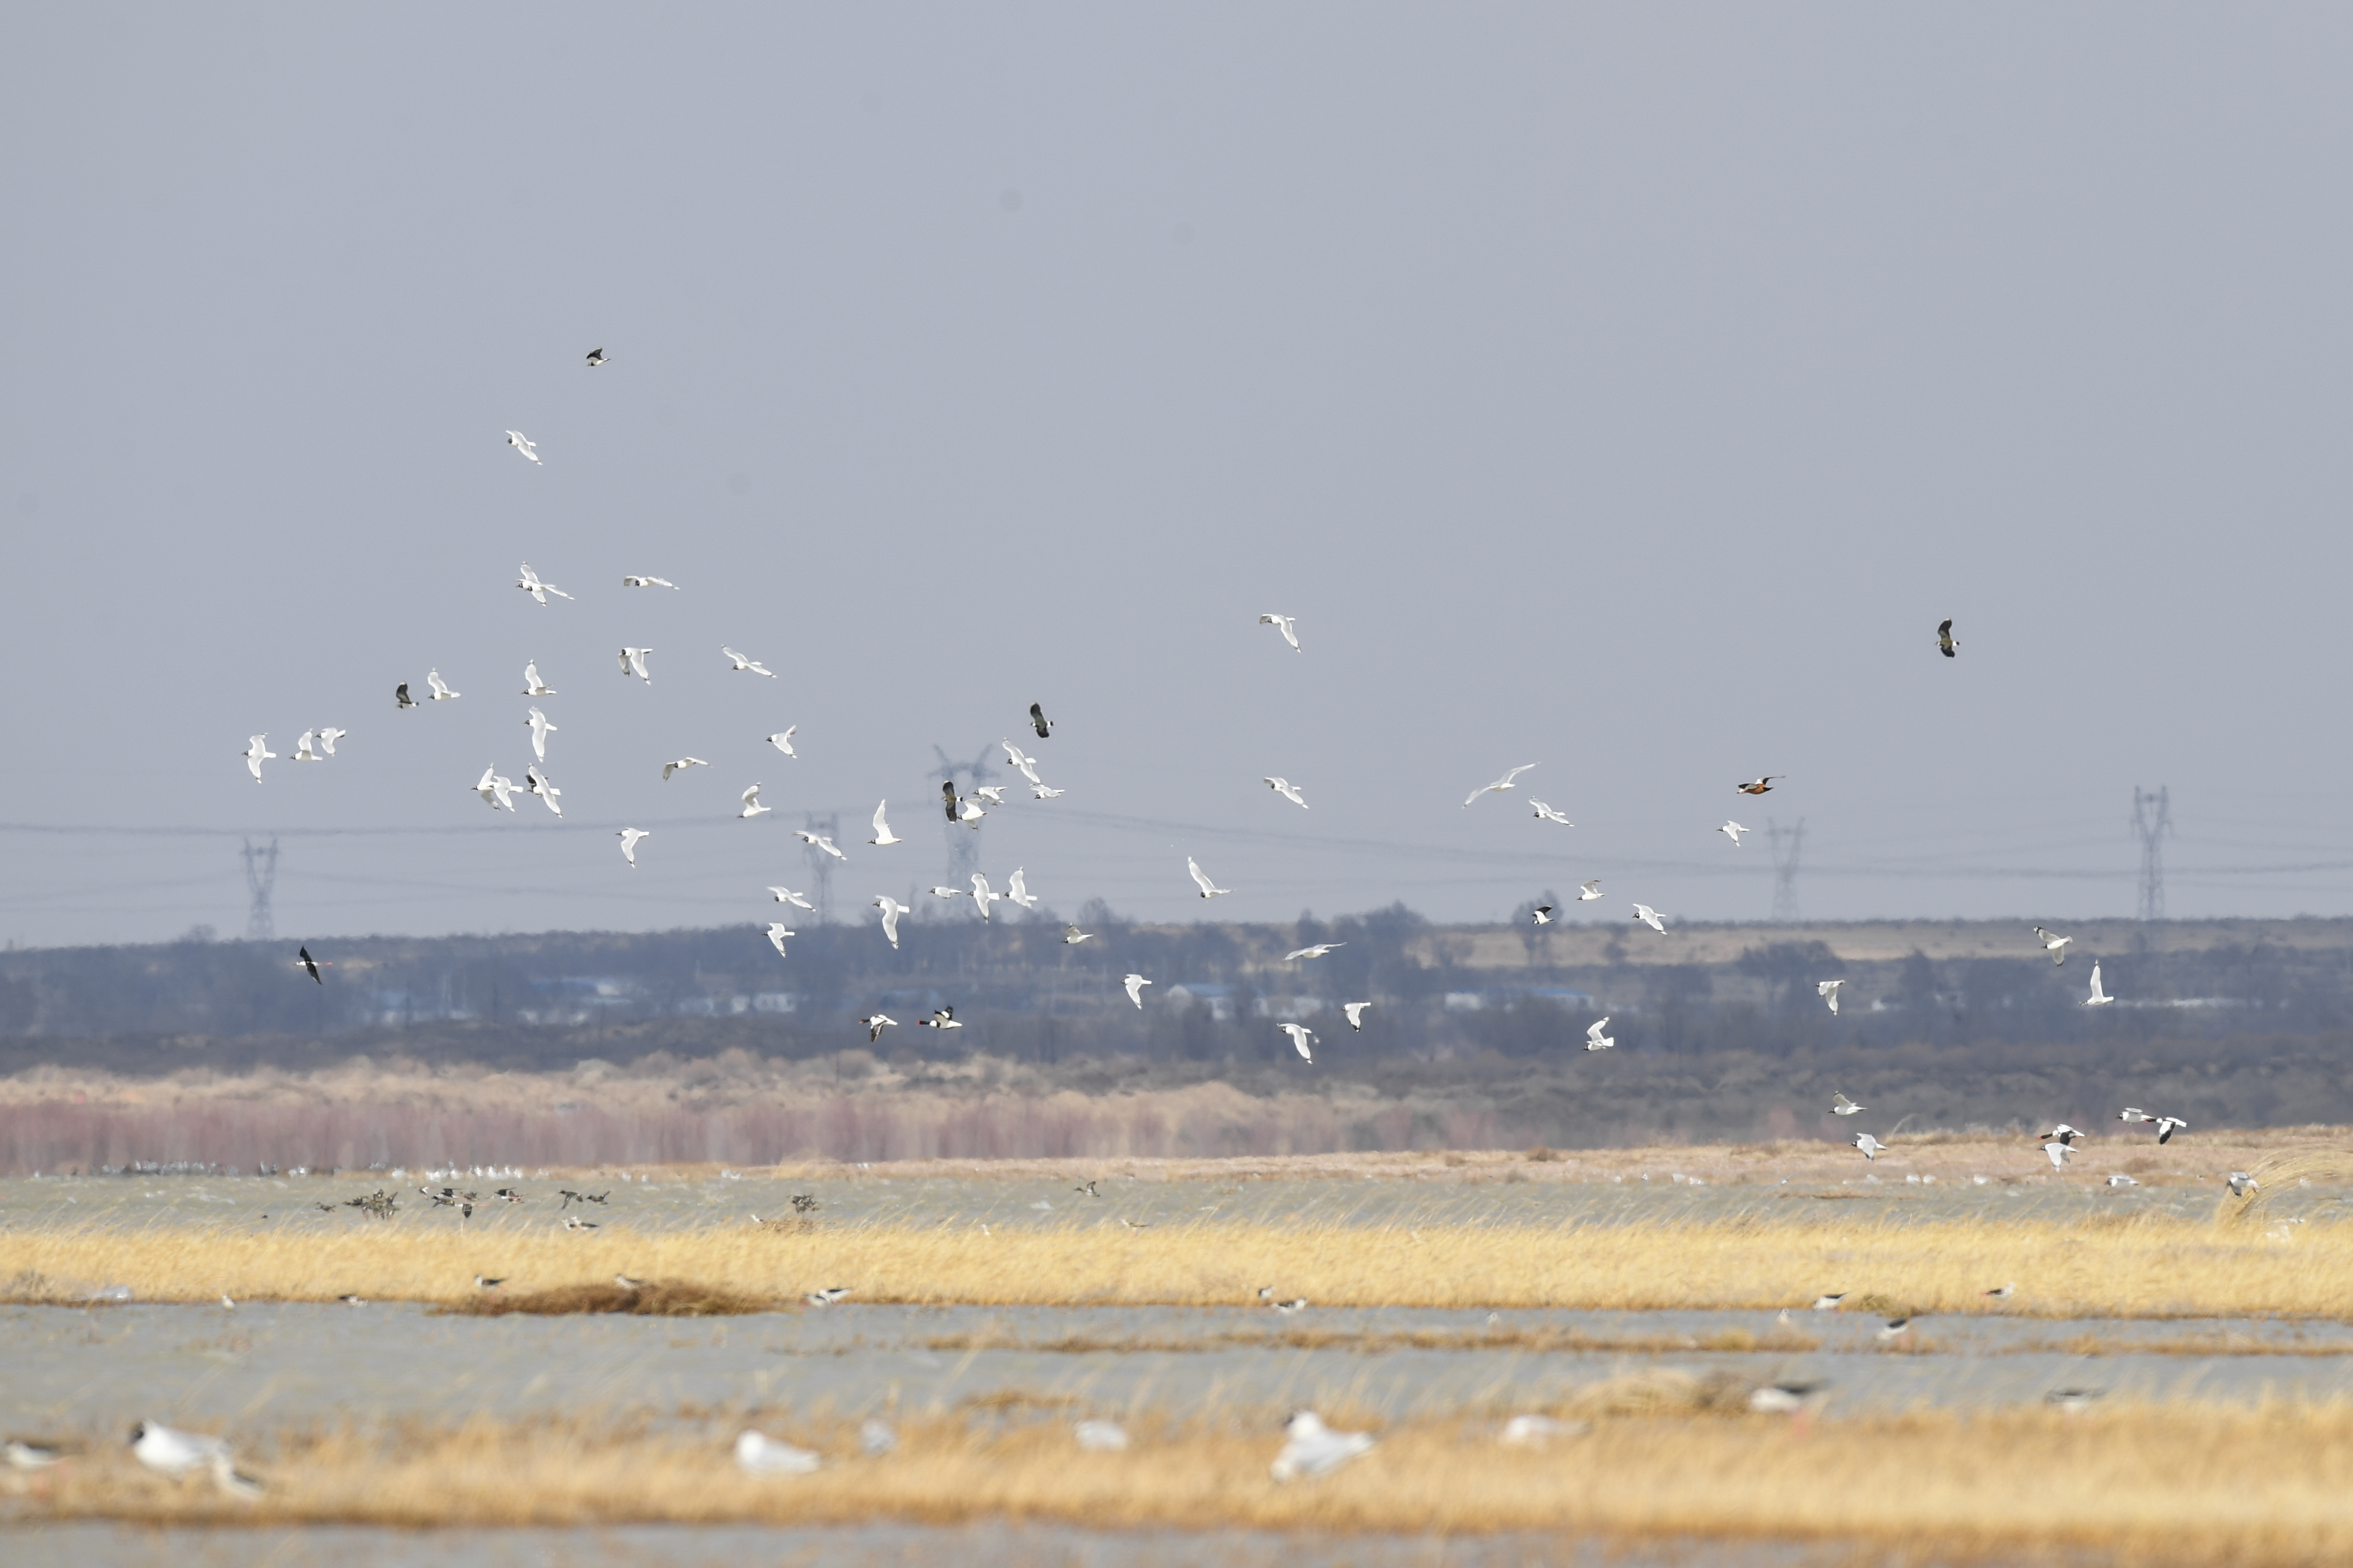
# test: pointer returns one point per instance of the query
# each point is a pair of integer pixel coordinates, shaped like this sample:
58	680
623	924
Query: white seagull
2054	944
1841	1106
2167	1126
1201	879
1356	1012
669	768
786	896
759	1455
1500	784
647	582
530	583
633	662
1017	891
1650	917
1300	1034
1872	1147
302	751
752	806
1026	767
1287	624
1828	990
1733	831
940	892
328	736
173	1453
1595	1040
1318	950
892	910
2060	1153
1288	791
1040	792
524	444
783	740
533	686
1589	891
540	730
1076	936
1546	814
777	934
496	790
2134	1113
540	784
2098	998
751	665
819	841
628	837
1312	1448
883	836
441	692
982	893
992	793
1136	985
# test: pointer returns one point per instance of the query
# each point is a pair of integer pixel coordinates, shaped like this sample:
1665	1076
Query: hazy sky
1627	389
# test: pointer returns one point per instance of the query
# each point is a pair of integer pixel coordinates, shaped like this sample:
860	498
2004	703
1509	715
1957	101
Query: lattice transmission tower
260	879
964	838
1785	867
821	863
2152	823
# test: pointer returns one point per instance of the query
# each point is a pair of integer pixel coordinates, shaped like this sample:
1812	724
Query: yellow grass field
2161	1485
2103	1265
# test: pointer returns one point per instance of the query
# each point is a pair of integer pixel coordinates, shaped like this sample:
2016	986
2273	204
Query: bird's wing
1194	867
881	827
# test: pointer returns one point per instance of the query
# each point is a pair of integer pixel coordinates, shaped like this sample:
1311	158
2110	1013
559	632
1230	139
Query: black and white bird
302	744
258	751
2054	944
2167	1126
530	583
1318	950
1073	936
949	800
752	806
669	768
643	581
2001	1292
992	793
533	686
1759	786
1287	624
400	696
1828	990
628	837
2064	1134
1136	985
524	444
1288	791
1310	1448
1733	831
940	892
440	687
1872	1147
1546	814
1587	893
1026	767
1017	890
1595	1040
1828	1303
170	1452
1499	785
892	910
1841	1106
1356	1014
496	789
777	934
328	736
1892	1329
1785	1398
1300	1034
883	837
783	740
2099	997
1043	792
2242	1184
540	730
1650	917
596	358
875	1024
786	896
633	662
1947	643
942	1017
747	666
819	841
19	1454
1040	722
983	894
310	965
1541	915
1201	879
2134	1113
828	1297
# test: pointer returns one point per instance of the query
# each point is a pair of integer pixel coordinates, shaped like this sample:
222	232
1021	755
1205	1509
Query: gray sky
1627	390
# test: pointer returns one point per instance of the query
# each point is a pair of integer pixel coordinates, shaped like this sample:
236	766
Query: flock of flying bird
498	791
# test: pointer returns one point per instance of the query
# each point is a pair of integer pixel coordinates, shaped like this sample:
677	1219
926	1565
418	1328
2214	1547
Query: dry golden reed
2175	1484
2104	1265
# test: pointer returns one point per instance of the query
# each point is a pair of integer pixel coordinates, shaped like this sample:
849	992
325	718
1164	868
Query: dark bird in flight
1946	644
596	358
948	797
1038	721
400	696
1759	786
310	964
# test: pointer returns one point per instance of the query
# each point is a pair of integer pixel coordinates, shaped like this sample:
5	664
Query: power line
261	877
